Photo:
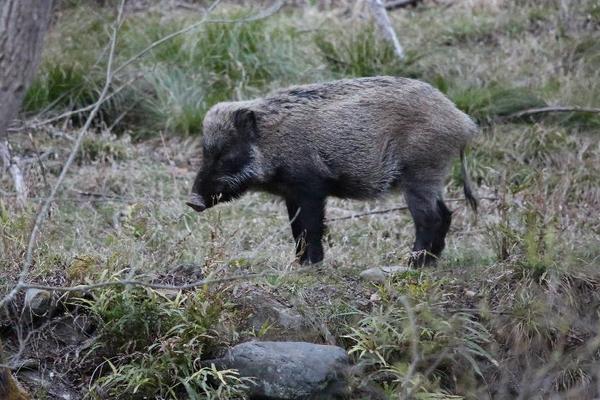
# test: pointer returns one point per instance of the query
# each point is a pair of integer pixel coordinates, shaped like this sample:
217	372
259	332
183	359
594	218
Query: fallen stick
388	210
556	109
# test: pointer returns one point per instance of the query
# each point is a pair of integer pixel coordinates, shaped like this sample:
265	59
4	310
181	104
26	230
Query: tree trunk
22	27
23	24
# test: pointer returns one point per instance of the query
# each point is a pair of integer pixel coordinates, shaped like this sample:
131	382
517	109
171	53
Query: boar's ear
244	121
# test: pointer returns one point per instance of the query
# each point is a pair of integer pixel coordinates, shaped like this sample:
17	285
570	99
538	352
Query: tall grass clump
362	52
218	62
412	346
73	69
153	345
491	100
178	80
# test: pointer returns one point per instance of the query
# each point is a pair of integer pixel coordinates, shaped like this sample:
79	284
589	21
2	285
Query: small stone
379	274
375	298
38	302
470	293
291	370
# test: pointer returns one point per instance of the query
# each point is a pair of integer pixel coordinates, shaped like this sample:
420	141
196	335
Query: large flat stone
291	370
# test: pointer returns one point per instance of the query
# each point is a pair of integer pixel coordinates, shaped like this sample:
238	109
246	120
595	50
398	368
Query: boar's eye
230	163
212	153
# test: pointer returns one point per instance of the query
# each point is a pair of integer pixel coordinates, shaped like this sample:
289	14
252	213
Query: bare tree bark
23	24
385	26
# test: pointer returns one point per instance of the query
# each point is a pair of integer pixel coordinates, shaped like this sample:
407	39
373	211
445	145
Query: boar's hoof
421	258
196	203
311	256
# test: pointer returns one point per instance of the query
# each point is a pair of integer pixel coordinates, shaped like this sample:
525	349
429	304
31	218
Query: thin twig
267	12
557	109
43	212
158	286
388	210
79	110
167	38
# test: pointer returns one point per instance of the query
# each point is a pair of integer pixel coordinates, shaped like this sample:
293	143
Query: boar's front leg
307	219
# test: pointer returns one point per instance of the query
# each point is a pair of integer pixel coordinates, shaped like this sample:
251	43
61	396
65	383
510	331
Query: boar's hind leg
432	222
439	241
307	220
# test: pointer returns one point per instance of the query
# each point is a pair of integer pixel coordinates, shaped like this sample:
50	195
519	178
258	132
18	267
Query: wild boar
352	138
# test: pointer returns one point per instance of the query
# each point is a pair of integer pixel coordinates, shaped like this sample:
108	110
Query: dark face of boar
229	155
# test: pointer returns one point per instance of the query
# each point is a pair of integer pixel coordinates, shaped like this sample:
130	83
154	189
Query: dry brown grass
522	278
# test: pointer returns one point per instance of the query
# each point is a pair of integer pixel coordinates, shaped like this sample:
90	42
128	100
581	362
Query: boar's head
229	156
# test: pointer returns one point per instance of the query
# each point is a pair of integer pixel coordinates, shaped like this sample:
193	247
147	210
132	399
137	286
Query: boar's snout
196	203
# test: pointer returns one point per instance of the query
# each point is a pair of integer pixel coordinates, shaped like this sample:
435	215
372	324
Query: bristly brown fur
352	138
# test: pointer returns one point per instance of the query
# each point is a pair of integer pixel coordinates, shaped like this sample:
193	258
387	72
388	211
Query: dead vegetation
511	311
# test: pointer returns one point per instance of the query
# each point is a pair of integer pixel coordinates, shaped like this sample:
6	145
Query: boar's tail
470	197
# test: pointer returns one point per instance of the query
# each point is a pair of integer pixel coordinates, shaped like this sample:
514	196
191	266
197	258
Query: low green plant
493	100
102	149
362	53
469	29
412	345
153	344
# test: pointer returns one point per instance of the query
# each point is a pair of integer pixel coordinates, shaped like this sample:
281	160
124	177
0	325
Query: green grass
177	81
511	308
362	53
166	339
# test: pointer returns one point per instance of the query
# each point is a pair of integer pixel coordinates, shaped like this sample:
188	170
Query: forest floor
510	311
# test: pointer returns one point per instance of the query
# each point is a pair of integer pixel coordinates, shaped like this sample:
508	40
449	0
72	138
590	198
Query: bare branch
545	110
78	111
385	26
168	37
158	286
388	210
267	12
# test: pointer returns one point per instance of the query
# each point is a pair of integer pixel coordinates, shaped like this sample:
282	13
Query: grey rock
291	370
262	310
52	383
38	302
379	274
72	331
